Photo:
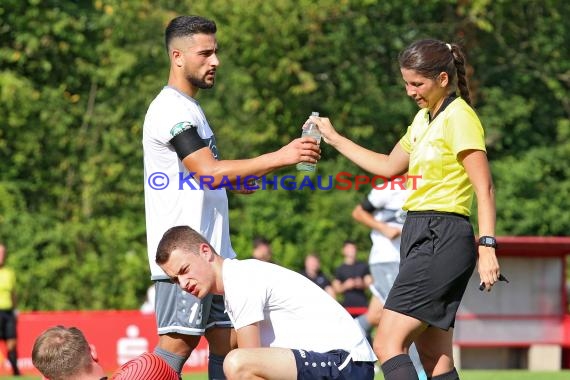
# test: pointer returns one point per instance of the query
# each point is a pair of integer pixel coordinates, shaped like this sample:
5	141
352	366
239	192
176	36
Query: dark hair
348	241
185	26
259	240
431	57
179	237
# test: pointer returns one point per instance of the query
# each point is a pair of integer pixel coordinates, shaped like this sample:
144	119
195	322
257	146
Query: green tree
76	79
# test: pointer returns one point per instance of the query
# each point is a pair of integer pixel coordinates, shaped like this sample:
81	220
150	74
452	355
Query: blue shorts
335	364
178	311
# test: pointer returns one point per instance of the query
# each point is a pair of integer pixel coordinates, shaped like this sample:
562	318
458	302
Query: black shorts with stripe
438	255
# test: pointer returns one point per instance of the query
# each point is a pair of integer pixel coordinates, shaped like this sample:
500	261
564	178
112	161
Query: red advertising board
117	335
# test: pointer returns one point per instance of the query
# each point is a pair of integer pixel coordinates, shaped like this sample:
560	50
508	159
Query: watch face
488	241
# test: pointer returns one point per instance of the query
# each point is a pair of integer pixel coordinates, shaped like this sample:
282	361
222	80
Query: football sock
216	367
173	360
399	367
13	358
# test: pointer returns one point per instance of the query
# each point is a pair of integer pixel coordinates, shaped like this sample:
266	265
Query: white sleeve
378	198
167	116
246	297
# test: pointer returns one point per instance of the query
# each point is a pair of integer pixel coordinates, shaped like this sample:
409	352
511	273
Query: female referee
444	146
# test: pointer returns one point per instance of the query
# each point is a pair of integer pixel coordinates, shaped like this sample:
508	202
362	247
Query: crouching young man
287	327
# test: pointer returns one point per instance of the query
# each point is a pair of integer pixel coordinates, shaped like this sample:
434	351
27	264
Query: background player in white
180	155
286	326
381	211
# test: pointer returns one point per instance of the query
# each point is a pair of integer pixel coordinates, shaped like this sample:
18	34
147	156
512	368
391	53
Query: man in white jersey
286	326
381	211
184	184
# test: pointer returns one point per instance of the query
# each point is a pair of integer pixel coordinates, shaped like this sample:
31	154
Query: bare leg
374	312
13	355
436	350
260	363
372	316
179	344
221	340
176	348
395	334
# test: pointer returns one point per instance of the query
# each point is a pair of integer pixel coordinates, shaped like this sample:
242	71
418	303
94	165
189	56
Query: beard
200	83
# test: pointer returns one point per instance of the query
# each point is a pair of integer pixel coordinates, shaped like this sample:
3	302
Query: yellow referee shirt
443	184
7	286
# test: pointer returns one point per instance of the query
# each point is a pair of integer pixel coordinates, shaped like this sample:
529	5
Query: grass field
465	375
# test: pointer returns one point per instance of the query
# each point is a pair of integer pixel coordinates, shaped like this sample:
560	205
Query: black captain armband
187	142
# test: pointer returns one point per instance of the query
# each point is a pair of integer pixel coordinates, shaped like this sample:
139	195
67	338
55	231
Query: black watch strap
488	241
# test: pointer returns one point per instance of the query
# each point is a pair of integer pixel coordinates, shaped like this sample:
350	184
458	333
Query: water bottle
310	129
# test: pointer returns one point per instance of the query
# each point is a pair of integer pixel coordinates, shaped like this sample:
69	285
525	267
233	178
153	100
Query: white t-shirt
183	201
293	311
388	209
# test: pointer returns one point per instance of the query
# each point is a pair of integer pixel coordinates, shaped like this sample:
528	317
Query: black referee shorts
438	255
7	325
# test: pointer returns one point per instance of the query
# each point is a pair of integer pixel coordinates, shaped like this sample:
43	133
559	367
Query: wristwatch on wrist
488	241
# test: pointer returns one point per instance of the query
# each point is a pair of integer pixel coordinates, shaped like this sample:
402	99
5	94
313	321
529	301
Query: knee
379	350
383	345
235	367
386	346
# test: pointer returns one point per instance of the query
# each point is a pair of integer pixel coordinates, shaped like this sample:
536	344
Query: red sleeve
147	366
